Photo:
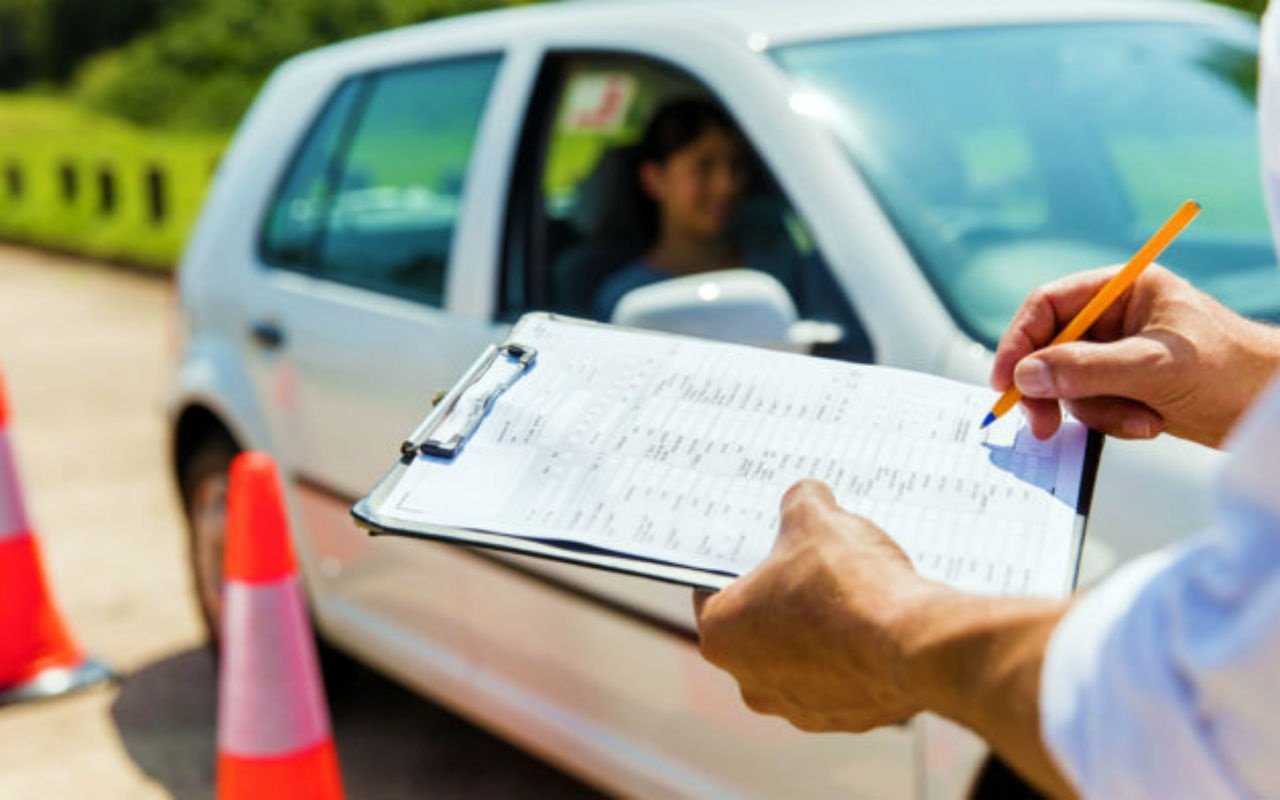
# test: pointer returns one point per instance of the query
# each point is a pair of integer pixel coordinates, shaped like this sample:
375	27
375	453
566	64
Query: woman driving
692	175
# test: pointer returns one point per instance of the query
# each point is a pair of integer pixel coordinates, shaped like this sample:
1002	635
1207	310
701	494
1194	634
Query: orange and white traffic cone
273	728
38	656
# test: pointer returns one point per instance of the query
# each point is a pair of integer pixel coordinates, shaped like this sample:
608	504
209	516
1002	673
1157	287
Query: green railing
84	183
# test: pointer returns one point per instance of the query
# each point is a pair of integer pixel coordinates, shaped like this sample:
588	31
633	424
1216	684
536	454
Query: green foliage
44	136
203	69
1255	7
45	40
195	71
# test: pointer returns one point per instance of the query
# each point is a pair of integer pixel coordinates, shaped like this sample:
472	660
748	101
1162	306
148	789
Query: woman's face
698	187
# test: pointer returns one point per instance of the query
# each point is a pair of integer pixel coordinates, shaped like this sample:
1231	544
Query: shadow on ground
165	715
392	743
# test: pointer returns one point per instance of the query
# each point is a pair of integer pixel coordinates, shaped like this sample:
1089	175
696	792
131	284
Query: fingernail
1032	378
1138	428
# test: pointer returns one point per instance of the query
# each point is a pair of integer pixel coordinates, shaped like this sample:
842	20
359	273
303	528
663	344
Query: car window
576	217
378	209
293	222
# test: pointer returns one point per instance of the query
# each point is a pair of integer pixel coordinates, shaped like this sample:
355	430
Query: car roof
780	22
761	24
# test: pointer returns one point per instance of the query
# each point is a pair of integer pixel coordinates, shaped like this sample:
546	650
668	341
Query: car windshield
1010	156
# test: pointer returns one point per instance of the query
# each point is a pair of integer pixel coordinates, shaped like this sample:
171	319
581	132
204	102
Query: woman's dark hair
678	123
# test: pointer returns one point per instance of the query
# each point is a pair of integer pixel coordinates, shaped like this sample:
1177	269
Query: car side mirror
738	305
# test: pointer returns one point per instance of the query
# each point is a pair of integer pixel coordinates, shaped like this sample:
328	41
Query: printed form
679	450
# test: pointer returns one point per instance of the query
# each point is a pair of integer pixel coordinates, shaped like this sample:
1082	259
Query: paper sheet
679	450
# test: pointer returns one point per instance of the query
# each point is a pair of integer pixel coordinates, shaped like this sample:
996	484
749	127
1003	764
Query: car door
617	654
350	327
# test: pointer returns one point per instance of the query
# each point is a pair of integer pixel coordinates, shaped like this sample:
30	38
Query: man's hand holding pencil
1164	357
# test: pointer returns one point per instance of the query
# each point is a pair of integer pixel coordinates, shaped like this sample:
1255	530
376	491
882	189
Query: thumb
1129	367
803	507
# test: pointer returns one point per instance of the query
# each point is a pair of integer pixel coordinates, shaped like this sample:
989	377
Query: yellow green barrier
78	181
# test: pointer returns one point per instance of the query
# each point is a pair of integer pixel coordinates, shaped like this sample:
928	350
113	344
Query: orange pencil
1109	293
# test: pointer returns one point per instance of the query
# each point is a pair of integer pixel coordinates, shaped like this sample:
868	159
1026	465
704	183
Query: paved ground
84	352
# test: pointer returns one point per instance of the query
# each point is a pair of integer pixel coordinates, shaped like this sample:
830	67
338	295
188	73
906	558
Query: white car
390	205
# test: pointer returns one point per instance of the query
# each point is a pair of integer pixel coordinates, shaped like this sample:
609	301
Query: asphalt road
85	354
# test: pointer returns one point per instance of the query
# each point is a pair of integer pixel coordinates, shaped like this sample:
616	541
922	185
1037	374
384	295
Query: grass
78	181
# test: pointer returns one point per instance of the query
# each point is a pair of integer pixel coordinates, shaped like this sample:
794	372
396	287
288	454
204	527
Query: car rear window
372	199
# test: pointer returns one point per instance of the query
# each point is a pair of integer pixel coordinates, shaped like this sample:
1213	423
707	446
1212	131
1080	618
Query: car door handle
267	335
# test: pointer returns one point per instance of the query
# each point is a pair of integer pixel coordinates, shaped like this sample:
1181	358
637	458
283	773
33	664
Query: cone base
311	774
58	681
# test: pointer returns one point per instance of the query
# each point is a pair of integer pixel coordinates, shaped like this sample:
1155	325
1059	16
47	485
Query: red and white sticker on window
599	102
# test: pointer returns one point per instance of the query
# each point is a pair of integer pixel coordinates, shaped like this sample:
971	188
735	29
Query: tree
45	40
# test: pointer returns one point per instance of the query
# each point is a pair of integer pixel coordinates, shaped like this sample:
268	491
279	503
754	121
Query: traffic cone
38	656
273	728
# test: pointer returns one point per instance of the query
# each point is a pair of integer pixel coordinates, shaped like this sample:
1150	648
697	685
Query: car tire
204	479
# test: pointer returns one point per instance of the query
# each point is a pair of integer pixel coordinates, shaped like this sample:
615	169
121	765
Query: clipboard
459	413
423	440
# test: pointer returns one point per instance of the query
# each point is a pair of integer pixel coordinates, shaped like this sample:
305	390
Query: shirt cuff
1073	663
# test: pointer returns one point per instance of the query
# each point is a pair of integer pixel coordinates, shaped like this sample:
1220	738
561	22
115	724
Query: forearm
977	661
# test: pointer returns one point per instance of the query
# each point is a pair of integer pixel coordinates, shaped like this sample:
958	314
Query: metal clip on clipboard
424	440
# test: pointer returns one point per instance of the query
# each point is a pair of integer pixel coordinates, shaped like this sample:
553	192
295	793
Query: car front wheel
204	495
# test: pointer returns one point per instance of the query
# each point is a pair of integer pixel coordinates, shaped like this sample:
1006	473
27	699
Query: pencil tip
990	418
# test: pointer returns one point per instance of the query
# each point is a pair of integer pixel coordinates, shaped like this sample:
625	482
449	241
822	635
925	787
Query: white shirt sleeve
1165	680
